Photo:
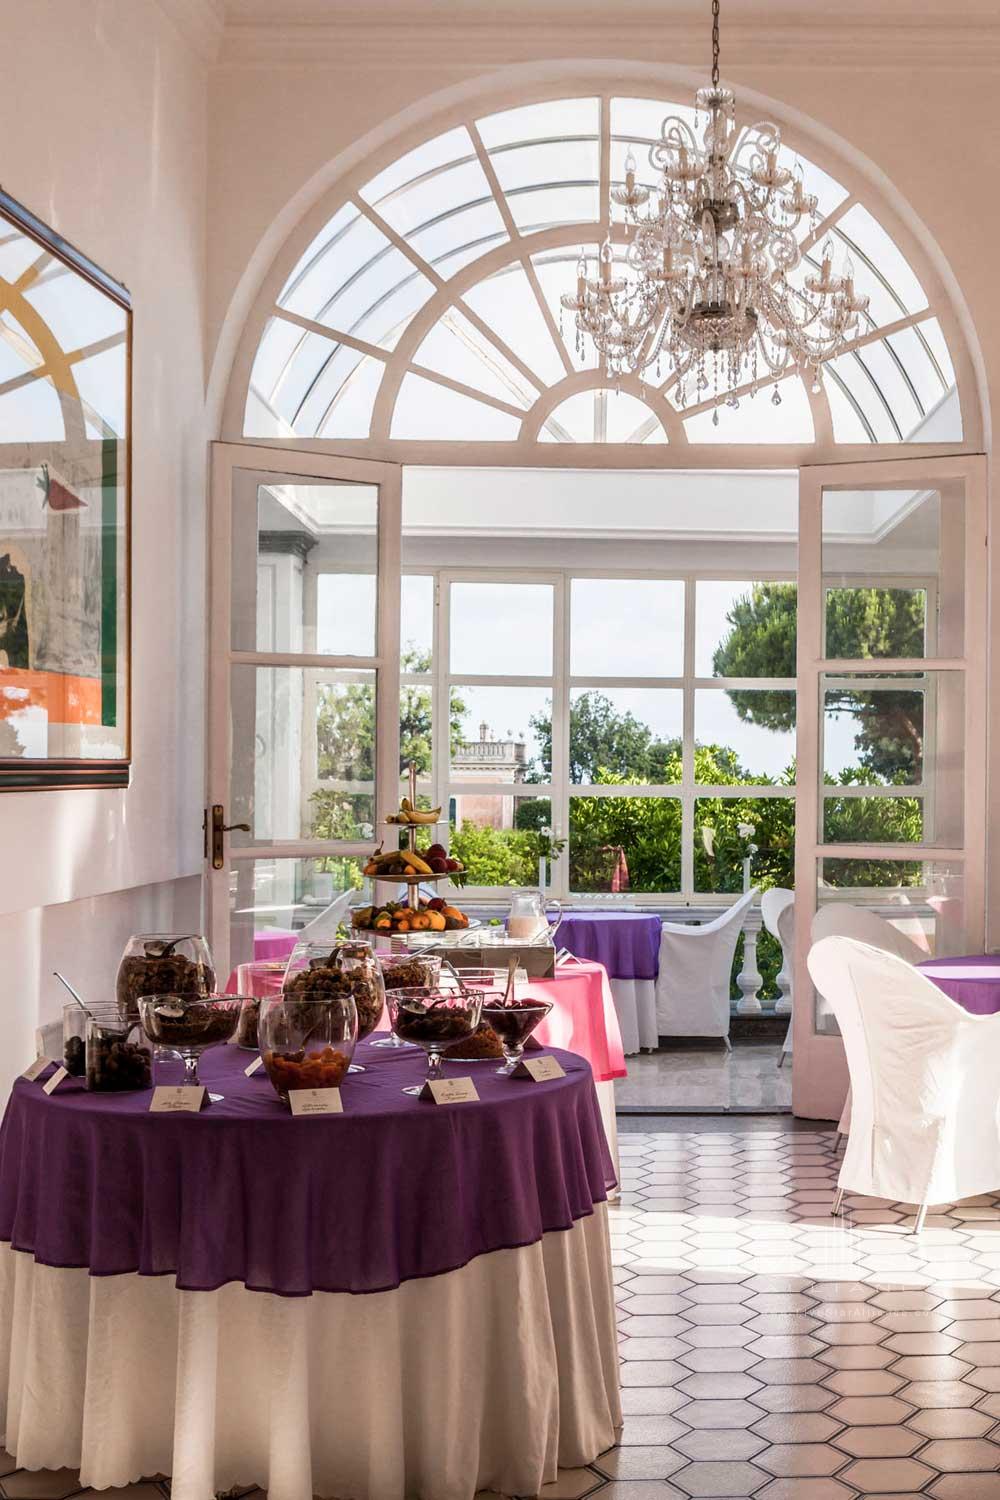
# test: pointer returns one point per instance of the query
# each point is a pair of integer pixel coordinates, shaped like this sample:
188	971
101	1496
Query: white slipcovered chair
692	990
925	1079
777	910
844	919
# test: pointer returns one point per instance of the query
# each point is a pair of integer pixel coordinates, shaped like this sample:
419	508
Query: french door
891	720
303	685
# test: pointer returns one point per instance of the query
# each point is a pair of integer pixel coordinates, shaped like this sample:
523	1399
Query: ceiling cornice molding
201	24
397	39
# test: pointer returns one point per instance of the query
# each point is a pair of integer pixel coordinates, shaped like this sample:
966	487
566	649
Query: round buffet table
972	981
403	1300
627	944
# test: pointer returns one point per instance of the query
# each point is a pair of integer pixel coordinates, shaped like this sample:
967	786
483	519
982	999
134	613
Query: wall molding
201	23
398	37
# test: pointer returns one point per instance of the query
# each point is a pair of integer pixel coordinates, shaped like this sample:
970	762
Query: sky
624	628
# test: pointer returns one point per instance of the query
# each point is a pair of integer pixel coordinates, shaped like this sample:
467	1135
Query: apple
452	865
438	904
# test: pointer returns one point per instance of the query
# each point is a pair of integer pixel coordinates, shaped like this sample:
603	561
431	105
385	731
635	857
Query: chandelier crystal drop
711	279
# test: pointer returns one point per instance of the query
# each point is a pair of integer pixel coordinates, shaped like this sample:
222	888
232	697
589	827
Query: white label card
176	1099
54	1082
539	1069
38	1066
450	1091
315	1101
254	1067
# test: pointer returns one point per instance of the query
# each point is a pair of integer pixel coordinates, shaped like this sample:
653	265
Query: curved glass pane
426	410
436	211
757	419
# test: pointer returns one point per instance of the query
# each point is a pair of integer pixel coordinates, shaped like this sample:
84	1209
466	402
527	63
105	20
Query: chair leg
921	1216
729	1045
837	1140
781	1059
837	1202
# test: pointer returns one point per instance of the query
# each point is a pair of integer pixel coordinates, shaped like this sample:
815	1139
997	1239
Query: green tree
604	742
345	743
862	624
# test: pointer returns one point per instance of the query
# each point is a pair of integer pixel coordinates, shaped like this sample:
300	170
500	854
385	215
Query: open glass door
304	687
891	739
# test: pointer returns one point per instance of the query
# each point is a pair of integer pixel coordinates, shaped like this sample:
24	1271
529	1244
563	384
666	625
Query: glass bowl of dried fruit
307	1044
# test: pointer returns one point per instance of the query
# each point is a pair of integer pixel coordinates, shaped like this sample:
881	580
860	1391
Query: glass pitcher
528	921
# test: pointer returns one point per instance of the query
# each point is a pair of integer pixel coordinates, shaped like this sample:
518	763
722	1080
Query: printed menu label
539	1069
315	1101
257	1063
176	1099
54	1082
38	1066
450	1091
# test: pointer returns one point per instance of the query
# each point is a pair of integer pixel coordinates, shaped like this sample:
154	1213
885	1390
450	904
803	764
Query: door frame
819	1065
226	460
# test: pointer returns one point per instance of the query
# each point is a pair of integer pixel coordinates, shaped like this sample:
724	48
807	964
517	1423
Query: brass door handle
219	829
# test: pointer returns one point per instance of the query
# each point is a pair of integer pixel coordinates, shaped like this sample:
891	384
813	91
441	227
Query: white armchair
844	919
692	991
925	1080
777	911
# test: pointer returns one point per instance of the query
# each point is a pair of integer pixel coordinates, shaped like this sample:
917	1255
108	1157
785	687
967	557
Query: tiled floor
708	1078
770	1351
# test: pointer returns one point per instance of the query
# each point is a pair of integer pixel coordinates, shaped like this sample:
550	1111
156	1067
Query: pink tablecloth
583	1017
273	942
582	1020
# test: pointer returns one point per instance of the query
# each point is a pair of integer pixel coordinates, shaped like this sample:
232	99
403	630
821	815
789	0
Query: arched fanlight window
427	308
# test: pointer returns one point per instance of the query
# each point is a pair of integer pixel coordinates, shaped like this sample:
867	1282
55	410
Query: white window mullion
687	746
559	770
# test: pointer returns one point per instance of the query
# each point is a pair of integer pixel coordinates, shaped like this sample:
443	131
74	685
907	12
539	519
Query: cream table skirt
489	1377
635	1004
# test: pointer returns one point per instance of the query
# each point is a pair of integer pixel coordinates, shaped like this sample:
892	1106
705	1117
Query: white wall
102	120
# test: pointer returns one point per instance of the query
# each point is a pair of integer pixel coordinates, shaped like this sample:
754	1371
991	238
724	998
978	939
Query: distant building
492	760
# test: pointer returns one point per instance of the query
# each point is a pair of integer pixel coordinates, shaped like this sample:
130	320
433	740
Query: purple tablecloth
626	943
973	981
392	1189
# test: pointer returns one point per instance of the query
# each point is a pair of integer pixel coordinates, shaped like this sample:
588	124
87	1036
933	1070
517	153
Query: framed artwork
65	344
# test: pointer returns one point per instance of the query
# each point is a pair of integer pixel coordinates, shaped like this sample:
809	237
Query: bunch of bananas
391	863
410	814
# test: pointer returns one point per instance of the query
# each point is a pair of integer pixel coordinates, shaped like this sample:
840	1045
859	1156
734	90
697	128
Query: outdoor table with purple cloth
627	944
246	1297
972	981
408	1190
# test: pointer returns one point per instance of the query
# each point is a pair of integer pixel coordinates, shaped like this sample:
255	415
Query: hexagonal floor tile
797	1427
719	1478
864	1382
952	1422
716	1443
805	1489
653	1462
967	1487
793	1398
870	1411
885	1475
963	1455
803	1459
718	1414
879	1442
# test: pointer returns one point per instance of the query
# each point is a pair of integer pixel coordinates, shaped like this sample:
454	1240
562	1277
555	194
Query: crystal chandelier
713	279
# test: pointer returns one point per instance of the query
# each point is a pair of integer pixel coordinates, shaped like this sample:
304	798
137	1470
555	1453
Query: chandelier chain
715	43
